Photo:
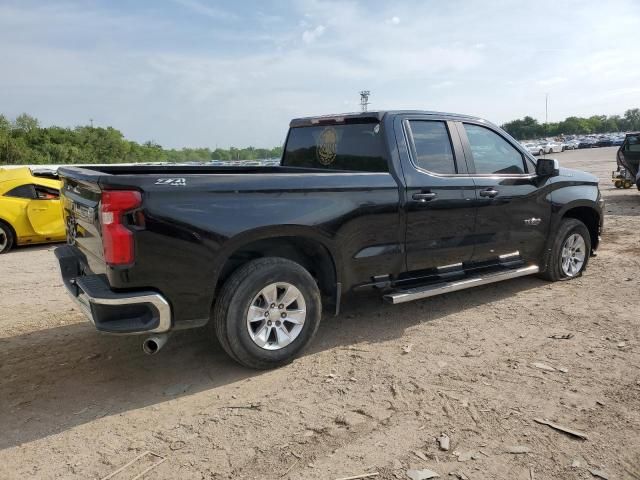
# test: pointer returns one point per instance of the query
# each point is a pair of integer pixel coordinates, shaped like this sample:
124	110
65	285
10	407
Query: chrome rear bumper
123	313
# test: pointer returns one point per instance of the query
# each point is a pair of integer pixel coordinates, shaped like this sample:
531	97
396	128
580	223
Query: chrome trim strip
417	293
509	256
452	266
84	301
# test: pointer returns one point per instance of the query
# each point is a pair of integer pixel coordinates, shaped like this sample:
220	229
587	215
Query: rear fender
284	232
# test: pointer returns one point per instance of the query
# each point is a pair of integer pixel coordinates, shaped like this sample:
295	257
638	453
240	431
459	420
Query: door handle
489	192
424	197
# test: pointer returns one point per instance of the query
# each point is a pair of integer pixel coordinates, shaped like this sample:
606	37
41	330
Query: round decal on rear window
327	146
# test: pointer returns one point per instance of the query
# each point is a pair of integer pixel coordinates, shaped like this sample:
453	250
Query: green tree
632	116
26	123
5	124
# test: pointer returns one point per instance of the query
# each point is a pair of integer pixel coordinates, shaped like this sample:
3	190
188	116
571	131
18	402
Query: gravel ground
378	385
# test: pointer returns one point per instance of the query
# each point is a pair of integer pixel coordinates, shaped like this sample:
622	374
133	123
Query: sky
198	73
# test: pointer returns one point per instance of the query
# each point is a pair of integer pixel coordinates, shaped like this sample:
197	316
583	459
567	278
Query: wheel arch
13	230
590	217
587	212
309	249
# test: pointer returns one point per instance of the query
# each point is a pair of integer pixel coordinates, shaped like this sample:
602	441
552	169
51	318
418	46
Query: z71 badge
175	182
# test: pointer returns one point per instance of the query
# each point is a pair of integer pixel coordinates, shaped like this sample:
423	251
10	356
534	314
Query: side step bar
402	296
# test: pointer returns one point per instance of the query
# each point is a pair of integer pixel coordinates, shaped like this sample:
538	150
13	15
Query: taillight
117	239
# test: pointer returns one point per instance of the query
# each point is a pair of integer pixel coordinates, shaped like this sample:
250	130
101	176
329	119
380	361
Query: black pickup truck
410	203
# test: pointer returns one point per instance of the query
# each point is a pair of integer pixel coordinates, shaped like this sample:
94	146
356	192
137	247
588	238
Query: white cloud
394	20
310	36
173	78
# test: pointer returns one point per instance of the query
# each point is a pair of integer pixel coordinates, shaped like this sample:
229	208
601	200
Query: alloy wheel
276	316
573	255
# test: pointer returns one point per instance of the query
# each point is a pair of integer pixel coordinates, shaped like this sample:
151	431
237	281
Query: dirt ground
377	386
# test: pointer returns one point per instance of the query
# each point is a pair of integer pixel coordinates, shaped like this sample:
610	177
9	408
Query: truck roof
366	117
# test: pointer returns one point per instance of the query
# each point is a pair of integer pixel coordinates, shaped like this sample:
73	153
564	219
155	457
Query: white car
571	144
533	148
551	147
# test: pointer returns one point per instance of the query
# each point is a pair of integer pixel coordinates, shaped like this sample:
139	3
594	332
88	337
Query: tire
627	184
243	290
541	152
569	227
617	184
7	237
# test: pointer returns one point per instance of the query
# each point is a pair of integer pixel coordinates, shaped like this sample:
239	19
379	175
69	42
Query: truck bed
91	172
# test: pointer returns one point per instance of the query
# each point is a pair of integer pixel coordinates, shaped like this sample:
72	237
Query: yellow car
30	209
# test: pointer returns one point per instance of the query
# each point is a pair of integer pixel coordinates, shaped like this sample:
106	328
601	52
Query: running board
401	296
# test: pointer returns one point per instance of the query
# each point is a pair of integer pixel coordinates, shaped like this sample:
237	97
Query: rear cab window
356	147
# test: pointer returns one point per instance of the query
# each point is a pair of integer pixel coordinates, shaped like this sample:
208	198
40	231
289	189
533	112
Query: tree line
24	141
530	128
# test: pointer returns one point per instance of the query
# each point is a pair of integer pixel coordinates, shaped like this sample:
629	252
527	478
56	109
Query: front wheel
570	251
267	312
6	238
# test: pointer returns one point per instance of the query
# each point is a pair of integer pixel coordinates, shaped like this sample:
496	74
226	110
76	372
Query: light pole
364	99
546	113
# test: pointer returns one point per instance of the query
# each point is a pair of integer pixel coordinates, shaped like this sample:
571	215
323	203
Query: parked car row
543	147
571	142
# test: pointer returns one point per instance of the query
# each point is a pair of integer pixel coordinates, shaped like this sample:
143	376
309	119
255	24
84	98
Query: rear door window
491	153
23	191
351	147
432	146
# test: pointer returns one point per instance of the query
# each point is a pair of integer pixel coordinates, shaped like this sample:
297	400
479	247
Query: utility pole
364	99
91	120
546	113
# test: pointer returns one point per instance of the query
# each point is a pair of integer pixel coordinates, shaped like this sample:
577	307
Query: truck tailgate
81	210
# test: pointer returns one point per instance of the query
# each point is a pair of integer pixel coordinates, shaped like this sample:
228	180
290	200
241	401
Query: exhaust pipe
152	345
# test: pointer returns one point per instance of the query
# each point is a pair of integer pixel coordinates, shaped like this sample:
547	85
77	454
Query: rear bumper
124	313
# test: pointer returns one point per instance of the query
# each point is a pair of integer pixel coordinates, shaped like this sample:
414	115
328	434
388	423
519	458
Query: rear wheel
570	251
6	237
267	312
